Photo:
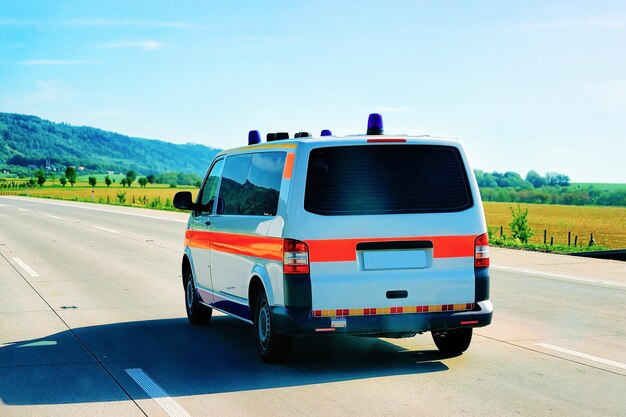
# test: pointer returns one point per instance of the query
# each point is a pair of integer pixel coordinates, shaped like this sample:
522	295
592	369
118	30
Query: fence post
545	235
551	240
500	232
569	239
576	240
592	242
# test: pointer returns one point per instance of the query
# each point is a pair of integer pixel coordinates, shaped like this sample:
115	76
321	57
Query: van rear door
390	229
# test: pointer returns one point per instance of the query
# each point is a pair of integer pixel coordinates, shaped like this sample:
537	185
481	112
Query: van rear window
386	179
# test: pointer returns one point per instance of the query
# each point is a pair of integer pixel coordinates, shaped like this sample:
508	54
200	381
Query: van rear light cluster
295	257
481	251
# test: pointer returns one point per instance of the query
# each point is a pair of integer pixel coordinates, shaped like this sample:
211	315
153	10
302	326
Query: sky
527	85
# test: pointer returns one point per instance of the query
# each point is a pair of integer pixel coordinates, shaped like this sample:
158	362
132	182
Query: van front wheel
272	347
453	342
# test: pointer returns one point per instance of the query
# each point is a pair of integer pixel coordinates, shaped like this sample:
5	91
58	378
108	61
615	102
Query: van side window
209	189
251	183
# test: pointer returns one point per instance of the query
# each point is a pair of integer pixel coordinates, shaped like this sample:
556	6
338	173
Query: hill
27	141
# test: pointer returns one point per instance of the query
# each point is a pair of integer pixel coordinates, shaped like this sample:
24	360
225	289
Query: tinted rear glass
386	179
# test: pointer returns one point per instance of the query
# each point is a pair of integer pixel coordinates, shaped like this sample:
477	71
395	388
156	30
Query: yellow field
608	224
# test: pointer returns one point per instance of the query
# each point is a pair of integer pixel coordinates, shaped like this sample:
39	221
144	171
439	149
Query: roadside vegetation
525	225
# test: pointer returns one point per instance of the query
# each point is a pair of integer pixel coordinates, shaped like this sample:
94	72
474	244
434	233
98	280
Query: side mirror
183	201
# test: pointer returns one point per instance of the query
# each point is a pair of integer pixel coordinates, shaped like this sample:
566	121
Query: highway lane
106	298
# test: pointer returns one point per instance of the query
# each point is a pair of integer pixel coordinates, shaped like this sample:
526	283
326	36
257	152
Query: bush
121	197
519	225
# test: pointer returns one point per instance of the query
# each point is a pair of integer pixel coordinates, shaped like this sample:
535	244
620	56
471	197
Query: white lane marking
583	355
25	267
157	393
54	217
3	205
21	209
557	276
110	211
104	229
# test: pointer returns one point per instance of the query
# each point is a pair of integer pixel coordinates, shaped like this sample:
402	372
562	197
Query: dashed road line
21	209
582	355
104	229
54	217
25	267
158	394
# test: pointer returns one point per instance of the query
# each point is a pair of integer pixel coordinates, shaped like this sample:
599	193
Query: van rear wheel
272	347
453	342
196	312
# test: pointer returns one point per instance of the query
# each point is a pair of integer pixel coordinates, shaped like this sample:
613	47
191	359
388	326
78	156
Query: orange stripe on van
342	250
326	250
257	246
288	170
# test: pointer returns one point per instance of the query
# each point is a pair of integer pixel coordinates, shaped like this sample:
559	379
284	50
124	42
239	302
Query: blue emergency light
375	124
326	132
254	137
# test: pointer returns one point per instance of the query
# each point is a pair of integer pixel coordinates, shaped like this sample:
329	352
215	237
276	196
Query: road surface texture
92	323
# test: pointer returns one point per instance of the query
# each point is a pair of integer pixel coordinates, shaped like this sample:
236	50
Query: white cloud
48	92
135	23
56	62
147	45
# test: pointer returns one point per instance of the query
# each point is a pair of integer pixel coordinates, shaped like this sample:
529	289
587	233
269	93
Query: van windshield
386	179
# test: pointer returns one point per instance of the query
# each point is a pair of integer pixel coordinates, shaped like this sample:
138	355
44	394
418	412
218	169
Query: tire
196	312
272	347
453	342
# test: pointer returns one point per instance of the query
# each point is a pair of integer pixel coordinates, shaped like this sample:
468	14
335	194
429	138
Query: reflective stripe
391	310
342	250
326	250
289	166
257	246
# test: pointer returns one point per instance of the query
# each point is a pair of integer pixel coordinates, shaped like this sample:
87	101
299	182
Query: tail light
295	257
481	251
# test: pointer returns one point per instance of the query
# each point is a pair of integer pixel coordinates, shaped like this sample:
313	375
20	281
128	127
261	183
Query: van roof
348	140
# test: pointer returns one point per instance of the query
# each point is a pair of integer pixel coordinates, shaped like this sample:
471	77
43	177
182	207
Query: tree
107	181
63	180
70	174
151	178
41	177
535	179
554	178
124	181
92	181
131	176
142	182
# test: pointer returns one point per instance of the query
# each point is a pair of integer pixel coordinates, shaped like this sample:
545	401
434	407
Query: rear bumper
299	321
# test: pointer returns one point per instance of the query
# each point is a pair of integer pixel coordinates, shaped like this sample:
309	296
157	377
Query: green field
601	186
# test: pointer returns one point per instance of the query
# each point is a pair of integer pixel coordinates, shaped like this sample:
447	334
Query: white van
369	235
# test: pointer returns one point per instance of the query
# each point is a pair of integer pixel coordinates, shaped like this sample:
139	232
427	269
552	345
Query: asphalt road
92	323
